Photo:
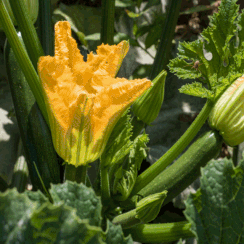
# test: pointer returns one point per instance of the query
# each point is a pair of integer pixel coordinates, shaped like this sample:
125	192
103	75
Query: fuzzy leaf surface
80	197
216	210
217	58
125	174
23	220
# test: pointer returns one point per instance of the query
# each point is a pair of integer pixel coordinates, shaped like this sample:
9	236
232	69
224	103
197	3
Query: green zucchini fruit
186	169
34	132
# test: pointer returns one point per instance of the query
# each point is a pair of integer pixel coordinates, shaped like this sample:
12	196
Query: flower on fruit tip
84	100
227	115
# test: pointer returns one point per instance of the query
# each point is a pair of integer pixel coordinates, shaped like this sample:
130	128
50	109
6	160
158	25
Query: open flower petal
84	99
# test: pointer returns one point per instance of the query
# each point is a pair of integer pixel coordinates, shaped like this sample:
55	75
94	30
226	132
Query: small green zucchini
186	169
34	132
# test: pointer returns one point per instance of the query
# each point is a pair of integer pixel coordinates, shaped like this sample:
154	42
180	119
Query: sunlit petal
84	99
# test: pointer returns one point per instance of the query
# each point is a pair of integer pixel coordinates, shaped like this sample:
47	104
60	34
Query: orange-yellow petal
109	105
108	58
84	100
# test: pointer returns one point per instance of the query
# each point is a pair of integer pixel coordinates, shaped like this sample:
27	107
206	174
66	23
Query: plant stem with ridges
29	35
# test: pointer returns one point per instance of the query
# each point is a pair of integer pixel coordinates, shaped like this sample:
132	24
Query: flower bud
32	8
227	115
148	208
147	107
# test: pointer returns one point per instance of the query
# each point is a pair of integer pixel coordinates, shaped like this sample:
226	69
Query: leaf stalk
29	35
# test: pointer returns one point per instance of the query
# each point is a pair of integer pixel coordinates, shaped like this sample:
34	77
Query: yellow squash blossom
84	100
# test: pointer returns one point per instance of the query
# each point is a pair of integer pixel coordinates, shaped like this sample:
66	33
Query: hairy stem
29	35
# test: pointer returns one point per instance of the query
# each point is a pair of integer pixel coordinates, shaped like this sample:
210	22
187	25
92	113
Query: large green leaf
217	57
37	197
80	197
60	224
216	210
23	221
15	212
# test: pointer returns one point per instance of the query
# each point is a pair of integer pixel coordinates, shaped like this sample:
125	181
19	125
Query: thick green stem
45	27
127	220
107	23
22	58
167	36
158	233
105	186
154	170
77	174
29	35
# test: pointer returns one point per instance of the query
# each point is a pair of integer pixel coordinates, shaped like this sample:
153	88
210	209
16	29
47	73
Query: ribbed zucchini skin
187	168
35	134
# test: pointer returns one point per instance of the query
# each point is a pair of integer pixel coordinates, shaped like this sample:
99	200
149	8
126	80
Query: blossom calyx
147	106
148	208
227	115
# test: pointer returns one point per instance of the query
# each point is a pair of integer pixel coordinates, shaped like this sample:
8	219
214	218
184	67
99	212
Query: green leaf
152	3
60	224
142	30
23	221
93	37
196	9
15	211
154	34
218	56
114	234
132	14
216	210
125	174
183	69
37	197
196	89
139	150
119	143
118	37
123	156
80	197
124	3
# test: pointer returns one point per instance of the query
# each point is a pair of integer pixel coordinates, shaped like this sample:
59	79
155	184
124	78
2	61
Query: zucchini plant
73	113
